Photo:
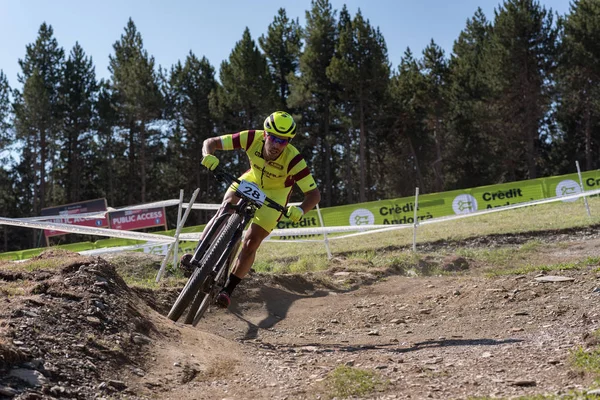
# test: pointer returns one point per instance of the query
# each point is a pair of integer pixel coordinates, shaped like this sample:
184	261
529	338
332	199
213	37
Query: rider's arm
300	174
311	199
240	140
210	145
234	141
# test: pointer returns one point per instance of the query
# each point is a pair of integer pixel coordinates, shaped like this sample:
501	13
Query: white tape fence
358	229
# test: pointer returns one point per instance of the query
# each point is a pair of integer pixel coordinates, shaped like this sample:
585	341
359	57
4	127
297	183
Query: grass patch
532	245
302	264
362	261
501	257
593	261
347	381
401	262
51	259
35	264
363	256
147	283
16	288
306	264
588	361
139	270
263	266
395	260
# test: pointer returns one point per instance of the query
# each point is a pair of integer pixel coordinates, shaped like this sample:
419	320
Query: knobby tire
210	297
195	304
212	257
201	309
193	285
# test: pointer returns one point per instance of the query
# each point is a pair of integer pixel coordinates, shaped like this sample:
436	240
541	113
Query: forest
518	98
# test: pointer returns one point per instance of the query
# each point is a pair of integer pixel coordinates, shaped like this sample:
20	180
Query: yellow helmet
280	124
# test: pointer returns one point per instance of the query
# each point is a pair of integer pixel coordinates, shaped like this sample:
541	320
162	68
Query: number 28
252	192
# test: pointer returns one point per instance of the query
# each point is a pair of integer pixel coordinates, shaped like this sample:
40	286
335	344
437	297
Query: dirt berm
74	329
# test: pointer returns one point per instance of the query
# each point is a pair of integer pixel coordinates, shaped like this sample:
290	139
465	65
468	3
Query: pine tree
247	94
139	101
38	116
523	55
6	133
111	162
343	114
33	118
361	68
578	81
78	93
7	197
434	67
408	145
11	238
315	95
282	46
475	145
190	86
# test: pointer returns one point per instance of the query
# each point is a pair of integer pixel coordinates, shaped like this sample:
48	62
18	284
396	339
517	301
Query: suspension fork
212	232
235	241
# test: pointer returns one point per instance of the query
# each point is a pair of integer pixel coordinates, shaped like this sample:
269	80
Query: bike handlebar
226	177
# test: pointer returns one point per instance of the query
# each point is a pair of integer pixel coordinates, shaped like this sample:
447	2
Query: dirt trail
84	334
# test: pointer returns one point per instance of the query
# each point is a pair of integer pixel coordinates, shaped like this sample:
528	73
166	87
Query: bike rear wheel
200	297
202	308
192	288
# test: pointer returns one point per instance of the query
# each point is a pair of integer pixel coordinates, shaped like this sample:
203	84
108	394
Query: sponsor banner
592	181
559	186
129	220
506	194
456	202
67	214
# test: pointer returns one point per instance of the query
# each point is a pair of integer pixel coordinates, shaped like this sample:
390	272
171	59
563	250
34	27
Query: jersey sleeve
299	173
240	140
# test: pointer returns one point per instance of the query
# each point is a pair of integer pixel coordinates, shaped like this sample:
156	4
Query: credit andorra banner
456	202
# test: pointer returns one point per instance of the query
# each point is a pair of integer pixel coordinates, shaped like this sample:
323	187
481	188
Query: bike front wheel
206	298
193	287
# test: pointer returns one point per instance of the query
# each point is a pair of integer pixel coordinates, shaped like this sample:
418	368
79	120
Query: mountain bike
216	251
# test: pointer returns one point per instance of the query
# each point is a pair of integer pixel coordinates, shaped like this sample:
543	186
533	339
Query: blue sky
170	29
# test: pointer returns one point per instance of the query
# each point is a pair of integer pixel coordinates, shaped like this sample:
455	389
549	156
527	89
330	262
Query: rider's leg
250	244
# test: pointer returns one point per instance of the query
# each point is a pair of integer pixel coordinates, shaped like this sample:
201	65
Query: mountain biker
275	166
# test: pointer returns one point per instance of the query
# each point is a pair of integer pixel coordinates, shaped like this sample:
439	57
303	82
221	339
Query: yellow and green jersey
288	169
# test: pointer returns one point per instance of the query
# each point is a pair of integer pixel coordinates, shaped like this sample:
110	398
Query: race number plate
251	191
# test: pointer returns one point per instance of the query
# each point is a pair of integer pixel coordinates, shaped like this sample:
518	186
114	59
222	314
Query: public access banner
68	214
435	205
129	220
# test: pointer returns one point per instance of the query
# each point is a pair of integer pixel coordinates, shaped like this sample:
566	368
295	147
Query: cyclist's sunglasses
277	140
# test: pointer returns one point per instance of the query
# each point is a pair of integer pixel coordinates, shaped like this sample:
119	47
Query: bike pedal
187	265
186	260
